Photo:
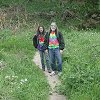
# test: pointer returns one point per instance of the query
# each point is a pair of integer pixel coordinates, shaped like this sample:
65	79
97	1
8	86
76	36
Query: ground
52	81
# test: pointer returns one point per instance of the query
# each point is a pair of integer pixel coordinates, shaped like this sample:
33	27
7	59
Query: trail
52	80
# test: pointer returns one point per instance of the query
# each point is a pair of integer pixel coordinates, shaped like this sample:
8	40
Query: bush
82	66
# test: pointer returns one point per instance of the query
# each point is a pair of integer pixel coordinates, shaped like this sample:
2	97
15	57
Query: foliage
81	62
20	79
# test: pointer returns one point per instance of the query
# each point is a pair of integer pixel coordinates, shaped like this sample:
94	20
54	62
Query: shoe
56	72
43	69
52	73
59	74
49	71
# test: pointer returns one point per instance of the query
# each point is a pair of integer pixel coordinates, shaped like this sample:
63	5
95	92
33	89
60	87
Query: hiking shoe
56	72
49	71
59	74
52	73
43	69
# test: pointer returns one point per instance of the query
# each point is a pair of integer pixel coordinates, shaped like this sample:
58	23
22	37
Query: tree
93	4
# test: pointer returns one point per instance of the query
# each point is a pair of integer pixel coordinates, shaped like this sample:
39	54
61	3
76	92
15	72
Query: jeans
55	55
44	56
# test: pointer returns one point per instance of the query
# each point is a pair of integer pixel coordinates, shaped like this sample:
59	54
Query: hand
61	51
46	51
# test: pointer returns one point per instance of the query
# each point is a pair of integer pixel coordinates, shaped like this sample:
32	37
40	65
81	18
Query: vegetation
20	79
81	62
81	58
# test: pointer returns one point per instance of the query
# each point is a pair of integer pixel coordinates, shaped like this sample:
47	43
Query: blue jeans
44	56
55	55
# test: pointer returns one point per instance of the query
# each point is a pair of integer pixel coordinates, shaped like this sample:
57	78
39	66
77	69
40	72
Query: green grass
81	65
20	79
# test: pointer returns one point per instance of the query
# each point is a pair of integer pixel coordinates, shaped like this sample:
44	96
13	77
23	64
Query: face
41	29
53	26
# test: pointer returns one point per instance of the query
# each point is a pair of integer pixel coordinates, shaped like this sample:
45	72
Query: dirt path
52	80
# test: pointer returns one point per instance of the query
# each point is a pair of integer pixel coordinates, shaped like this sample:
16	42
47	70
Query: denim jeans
55	55
44	56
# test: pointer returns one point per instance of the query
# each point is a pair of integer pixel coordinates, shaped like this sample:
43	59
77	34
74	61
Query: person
54	44
40	46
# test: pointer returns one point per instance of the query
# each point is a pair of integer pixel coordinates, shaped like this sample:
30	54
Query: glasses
53	25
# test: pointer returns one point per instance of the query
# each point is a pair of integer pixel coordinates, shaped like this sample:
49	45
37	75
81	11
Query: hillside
78	20
15	14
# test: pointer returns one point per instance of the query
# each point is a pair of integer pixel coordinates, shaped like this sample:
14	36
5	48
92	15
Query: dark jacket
34	39
59	38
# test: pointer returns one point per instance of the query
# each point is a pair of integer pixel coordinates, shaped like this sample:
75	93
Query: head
53	27
40	30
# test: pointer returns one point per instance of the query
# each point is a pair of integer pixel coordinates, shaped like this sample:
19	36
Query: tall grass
81	65
20	79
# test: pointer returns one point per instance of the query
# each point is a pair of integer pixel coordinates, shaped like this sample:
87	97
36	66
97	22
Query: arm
61	41
46	42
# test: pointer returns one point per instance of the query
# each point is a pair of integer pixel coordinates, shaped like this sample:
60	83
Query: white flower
14	76
21	82
25	80
7	77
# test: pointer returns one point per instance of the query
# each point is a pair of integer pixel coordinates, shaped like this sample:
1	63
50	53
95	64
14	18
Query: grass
20	79
81	65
